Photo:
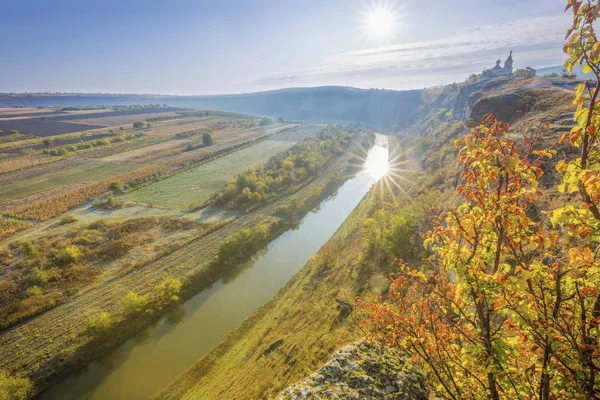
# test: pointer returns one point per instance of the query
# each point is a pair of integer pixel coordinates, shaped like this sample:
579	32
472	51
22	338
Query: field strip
197	184
34	348
139	152
86	173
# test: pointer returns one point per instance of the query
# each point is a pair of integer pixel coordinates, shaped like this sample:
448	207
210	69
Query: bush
241	244
38	276
14	388
68	255
29	249
168	290
97	325
134	302
207	140
5	257
138	125
34	291
68	219
109	203
116	186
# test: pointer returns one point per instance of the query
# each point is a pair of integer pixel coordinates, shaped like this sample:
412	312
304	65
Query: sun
380	23
380	20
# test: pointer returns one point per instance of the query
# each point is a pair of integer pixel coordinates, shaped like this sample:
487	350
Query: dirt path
36	347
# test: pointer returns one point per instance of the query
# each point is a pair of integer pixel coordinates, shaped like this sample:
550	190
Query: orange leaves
501	278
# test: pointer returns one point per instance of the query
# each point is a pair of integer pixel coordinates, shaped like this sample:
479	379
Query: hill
375	109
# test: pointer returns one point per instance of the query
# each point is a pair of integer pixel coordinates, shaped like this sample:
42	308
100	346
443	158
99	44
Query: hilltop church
507	70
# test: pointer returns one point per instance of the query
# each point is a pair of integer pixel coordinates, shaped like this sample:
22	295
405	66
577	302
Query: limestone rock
362	371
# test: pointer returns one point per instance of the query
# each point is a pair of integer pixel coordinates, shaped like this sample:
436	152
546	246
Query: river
150	361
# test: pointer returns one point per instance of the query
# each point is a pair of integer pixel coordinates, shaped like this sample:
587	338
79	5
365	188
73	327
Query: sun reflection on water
378	166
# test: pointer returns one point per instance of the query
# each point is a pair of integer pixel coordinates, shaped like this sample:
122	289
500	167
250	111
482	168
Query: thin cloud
537	41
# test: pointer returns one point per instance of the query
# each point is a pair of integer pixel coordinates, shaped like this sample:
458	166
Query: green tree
138	125
168	290
99	324
48	142
207	139
116	186
133	302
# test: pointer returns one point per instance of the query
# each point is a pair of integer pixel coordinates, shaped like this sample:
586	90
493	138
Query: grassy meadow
198	184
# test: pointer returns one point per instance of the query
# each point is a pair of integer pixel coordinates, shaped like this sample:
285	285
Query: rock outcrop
362	371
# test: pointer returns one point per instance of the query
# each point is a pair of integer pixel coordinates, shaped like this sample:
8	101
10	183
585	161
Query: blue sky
230	46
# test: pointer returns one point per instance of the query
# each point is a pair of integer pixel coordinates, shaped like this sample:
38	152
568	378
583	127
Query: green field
86	173
198	184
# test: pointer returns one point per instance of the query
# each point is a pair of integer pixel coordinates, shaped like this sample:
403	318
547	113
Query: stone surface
362	371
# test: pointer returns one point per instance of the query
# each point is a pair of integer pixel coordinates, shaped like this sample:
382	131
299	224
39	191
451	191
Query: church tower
508	64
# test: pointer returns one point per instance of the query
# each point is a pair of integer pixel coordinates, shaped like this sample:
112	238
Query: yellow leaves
544	153
595	53
560	166
564	137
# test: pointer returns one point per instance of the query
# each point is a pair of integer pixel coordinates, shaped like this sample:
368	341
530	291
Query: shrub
5	257
138	125
168	290
109	203
14	388
68	219
34	291
38	276
68	255
116	186
241	244
29	249
207	139
99	324
134	302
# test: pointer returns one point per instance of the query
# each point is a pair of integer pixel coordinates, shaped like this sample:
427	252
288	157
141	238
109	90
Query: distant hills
558	70
375	109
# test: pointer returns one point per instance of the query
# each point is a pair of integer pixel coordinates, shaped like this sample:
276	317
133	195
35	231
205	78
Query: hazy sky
229	46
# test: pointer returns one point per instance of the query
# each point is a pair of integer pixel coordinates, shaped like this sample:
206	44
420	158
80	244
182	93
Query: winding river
150	361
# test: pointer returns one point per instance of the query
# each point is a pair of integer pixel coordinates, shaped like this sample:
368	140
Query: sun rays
380	21
388	168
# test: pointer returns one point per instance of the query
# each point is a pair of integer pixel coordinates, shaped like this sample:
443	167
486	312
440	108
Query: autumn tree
453	320
511	308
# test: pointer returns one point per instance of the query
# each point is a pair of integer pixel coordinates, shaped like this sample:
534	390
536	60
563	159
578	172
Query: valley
115	221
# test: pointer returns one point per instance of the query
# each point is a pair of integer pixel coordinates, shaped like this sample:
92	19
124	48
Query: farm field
45	123
87	173
133	154
108	120
198	184
36	348
44	128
